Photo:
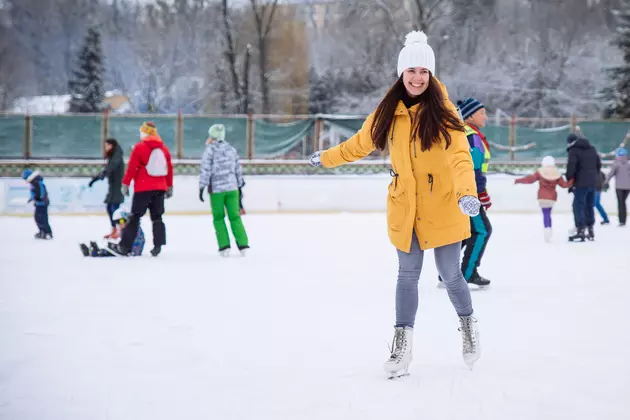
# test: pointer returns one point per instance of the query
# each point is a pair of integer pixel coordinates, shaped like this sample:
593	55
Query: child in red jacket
548	177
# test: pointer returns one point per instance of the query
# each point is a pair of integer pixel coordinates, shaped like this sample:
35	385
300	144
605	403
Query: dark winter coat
584	164
39	192
601	181
114	171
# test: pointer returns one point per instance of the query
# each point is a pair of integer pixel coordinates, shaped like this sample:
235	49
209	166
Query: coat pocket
397	206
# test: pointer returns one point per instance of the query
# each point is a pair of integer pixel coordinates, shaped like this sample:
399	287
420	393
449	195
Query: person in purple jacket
621	172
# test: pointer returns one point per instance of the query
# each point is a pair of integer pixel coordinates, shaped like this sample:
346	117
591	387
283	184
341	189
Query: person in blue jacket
120	217
39	198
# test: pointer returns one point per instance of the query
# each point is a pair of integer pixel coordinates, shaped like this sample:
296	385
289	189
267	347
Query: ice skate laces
468	337
399	345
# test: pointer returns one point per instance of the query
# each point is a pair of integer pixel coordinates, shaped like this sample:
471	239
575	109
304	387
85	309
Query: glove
92	181
315	160
571	190
485	200
125	190
469	205
201	194
606	187
169	192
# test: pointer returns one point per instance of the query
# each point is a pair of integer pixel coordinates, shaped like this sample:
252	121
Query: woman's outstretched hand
469	205
314	159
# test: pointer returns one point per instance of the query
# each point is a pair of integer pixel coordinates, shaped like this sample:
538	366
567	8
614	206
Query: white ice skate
548	234
225	252
398	363
471	347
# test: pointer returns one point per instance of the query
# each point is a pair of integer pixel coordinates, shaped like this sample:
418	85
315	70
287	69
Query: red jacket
137	171
548	178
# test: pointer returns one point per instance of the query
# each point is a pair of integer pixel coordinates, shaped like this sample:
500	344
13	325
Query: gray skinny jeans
409	268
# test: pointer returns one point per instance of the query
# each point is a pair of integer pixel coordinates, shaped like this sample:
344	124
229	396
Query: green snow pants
219	203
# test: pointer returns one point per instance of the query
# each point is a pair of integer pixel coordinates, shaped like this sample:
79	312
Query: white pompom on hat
416	53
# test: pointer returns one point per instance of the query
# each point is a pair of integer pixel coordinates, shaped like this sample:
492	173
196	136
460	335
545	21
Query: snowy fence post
573	123
179	134
27	143
249	133
318	132
512	136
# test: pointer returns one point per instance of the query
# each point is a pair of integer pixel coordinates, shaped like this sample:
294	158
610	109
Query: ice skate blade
476	288
399	372
470	363
392	377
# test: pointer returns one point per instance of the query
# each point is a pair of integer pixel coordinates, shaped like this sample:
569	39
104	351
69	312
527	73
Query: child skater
39	198
120	217
548	178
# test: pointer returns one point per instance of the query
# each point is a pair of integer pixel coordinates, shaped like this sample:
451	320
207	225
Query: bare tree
263	11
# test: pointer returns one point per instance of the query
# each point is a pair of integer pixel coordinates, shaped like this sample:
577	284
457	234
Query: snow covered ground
299	328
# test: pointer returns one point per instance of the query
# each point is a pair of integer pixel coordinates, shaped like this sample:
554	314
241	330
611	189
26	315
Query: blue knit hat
26	173
468	106
622	152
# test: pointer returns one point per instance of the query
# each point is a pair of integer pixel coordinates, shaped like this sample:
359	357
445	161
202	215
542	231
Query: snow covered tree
86	89
618	96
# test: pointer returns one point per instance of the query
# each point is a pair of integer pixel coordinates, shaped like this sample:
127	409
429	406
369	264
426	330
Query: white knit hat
416	53
548	161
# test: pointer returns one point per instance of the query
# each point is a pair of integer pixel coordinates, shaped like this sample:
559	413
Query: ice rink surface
299	328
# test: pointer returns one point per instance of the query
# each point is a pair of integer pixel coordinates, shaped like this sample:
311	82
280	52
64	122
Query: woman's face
108	147
416	80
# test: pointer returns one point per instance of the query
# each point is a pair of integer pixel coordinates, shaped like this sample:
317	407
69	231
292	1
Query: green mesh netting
66	136
277	139
11	136
79	136
196	134
126	130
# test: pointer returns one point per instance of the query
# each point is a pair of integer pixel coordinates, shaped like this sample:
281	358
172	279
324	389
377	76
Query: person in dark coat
114	171
583	168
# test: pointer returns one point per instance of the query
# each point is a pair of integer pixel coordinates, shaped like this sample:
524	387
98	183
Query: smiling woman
432	193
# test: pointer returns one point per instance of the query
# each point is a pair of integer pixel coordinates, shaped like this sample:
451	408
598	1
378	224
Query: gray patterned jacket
220	168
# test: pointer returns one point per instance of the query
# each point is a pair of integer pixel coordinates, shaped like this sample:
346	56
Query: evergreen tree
618	96
86	89
322	96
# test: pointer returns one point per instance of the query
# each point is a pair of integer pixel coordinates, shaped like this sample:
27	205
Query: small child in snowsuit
548	177
39	198
120	217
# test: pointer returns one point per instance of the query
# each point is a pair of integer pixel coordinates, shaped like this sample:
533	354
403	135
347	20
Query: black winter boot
578	236
590	235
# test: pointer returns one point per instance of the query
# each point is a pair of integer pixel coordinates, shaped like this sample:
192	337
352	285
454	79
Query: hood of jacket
580	143
152	142
550	173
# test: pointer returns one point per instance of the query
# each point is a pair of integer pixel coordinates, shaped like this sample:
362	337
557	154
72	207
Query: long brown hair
430	123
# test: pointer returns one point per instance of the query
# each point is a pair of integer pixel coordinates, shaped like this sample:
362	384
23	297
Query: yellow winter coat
424	195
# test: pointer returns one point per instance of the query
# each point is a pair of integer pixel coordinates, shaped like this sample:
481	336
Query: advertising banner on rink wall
274	194
67	195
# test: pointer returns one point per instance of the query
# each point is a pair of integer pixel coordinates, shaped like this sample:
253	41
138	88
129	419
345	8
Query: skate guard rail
90	167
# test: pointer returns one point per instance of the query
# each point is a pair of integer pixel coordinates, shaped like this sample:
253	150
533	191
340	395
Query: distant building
115	101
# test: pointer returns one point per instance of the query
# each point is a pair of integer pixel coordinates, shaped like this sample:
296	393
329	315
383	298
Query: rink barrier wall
274	194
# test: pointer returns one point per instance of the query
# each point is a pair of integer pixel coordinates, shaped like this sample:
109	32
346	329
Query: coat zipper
415	154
